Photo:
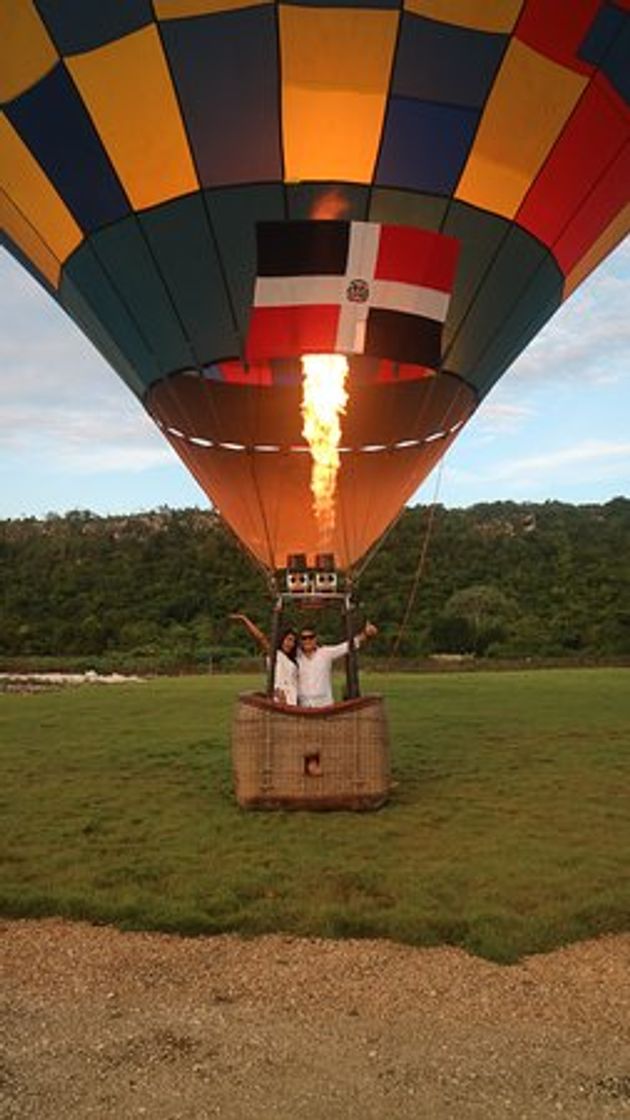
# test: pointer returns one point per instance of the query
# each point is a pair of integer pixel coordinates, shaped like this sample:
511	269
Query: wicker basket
310	758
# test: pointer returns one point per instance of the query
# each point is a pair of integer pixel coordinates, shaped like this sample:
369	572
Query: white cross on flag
353	288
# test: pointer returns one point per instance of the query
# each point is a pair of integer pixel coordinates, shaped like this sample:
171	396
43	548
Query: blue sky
72	436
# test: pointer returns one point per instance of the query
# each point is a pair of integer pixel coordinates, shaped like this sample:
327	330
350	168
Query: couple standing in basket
303	673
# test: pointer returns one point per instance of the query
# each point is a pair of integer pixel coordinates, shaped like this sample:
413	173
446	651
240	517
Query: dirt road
96	1023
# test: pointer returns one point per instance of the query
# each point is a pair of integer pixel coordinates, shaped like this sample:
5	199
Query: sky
72	436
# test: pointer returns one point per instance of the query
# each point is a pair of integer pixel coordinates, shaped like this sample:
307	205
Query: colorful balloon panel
482	15
225	72
140	145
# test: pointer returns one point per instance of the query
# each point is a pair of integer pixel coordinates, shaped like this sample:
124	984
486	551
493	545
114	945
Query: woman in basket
285	683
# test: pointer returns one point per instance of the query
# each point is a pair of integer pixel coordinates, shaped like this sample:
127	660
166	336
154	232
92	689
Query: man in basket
315	664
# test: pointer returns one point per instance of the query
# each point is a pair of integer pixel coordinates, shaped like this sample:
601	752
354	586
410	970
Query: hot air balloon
153	154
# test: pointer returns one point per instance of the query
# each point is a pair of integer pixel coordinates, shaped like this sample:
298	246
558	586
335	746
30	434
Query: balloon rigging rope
420	566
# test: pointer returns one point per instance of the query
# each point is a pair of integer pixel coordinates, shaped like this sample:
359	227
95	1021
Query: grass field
508	833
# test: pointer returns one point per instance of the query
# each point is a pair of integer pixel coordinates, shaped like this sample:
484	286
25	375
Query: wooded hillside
500	580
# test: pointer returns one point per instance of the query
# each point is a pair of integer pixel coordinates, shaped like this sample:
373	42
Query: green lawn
508	833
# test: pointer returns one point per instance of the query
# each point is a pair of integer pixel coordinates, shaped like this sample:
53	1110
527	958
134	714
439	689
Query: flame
324	399
330	205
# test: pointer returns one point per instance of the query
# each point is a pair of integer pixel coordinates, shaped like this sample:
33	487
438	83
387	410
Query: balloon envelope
142	143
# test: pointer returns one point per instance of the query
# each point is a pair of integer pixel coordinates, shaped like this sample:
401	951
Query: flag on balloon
365	288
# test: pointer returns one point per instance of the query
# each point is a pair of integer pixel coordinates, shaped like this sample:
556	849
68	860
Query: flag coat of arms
351	287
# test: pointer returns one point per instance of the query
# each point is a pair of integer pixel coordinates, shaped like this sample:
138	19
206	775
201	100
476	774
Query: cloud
588	338
587	451
108	458
610	457
105	438
81	444
500	418
58	398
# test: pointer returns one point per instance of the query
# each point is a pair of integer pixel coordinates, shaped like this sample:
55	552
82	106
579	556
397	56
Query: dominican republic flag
352	288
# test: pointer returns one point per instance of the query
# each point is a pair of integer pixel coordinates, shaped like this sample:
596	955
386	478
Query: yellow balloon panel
128	91
335	77
480	15
37	218
531	100
34	248
28	52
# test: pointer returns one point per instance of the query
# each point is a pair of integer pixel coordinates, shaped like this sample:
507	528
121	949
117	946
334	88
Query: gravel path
96	1023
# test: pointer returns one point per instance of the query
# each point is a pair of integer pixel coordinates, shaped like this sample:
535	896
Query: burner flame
331	205
324	399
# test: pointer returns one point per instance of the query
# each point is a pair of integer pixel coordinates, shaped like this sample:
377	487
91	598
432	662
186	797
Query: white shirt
315	674
286	677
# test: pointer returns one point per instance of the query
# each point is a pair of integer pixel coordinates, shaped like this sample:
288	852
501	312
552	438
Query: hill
500	580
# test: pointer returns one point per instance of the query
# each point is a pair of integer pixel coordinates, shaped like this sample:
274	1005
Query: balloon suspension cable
352	667
419	568
276	619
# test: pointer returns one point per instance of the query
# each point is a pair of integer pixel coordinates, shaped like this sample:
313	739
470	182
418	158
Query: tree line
499	580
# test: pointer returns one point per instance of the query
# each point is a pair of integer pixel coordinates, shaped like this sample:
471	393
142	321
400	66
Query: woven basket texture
336	757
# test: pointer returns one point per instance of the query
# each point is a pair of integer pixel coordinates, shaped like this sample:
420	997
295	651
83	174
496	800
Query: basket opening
312	765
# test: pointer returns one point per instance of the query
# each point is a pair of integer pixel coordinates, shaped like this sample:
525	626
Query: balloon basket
310	758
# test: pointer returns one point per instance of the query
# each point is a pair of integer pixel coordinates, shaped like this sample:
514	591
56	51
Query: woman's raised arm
253	629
